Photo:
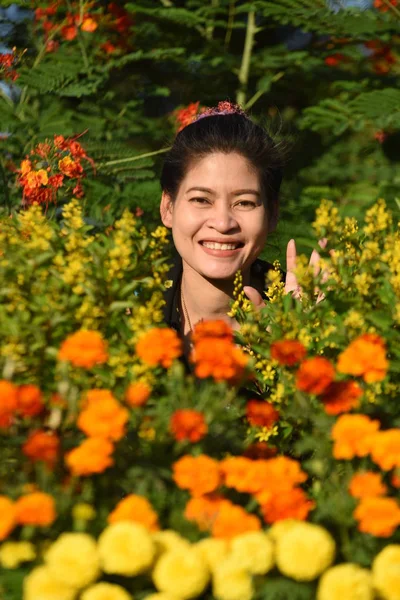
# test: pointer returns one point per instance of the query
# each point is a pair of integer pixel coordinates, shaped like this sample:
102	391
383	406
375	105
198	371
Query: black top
172	317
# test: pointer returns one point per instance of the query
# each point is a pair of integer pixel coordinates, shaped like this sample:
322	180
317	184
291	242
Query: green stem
210	28
246	58
229	26
258	94
133	158
392	7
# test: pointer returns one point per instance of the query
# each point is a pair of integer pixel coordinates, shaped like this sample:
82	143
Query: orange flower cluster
137	394
220	516
103	416
198	474
288	352
7	517
188	424
385	449
215	354
383	6
367	484
353	435
84	349
377	516
8	402
94	455
42	446
7	63
315	375
62	158
261	413
341	396
365	357
36	509
185	116
382	59
159	346
135	508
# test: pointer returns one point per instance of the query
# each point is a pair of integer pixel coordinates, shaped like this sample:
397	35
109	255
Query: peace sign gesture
291	283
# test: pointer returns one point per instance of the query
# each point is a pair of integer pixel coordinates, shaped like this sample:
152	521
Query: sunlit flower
341	396
315	375
353	435
198	474
92	456
365	357
188	424
378	516
288	352
36	509
103	416
367	484
261	413
159	346
43	446
135	508
84	349
137	394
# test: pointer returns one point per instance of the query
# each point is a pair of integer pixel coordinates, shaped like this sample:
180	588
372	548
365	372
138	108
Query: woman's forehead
218	170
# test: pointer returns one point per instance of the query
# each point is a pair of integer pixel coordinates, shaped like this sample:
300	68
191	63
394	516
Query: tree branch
246	58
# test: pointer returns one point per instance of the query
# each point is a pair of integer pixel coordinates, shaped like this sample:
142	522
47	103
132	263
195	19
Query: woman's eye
199	200
246	204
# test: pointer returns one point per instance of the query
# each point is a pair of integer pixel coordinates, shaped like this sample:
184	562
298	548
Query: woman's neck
205	299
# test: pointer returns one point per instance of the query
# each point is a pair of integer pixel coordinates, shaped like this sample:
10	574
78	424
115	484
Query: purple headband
224	108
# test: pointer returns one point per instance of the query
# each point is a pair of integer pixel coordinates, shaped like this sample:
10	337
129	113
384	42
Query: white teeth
217	246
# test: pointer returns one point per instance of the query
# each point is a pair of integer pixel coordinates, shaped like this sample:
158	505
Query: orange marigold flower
216	328
89	25
385	449
30	400
367	484
36	508
8	401
198	474
365	357
69	32
92	456
103	416
137	394
135	508
341	396
378	516
288	352
7	517
84	348
220	359
26	167
203	510
261	413
69	167
233	520
188	424
352	436
159	346
289	504
42	446
315	375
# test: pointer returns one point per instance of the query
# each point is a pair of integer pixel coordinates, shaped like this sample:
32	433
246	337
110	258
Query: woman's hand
291	283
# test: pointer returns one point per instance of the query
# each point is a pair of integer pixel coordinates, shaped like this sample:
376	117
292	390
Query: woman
220	196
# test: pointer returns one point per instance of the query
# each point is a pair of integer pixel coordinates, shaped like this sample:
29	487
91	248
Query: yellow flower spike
377	219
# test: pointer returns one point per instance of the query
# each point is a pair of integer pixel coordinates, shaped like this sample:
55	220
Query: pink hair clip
223	108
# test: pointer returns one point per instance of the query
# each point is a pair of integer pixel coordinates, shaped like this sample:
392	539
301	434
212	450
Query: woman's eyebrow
246	191
235	193
200	189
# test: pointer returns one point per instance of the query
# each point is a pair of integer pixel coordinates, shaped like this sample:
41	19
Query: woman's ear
166	208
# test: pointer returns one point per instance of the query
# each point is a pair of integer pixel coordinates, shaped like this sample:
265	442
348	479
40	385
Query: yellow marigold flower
345	581
84	349
278	529
231	582
169	540
213	551
12	554
105	591
126	549
386	572
181	572
73	560
40	583
161	596
83	512
254	551
304	551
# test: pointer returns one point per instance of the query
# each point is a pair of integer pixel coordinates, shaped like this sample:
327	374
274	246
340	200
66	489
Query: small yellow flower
254	551
41	583
12	554
105	591
83	512
345	581
126	548
231	582
304	551
181	572
386	572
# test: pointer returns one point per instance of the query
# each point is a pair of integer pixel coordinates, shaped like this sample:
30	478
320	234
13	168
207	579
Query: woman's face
218	220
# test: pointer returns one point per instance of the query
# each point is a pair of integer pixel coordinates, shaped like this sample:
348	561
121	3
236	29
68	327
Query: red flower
69	32
288	352
261	413
382	6
188	424
315	375
334	59
341	396
185	116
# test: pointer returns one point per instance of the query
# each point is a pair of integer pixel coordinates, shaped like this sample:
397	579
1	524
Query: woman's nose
222	219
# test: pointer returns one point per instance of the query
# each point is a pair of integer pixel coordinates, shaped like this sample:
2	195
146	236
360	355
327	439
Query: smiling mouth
222	246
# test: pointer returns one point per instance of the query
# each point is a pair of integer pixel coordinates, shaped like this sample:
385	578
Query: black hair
226	133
